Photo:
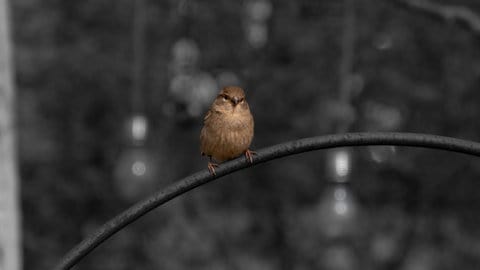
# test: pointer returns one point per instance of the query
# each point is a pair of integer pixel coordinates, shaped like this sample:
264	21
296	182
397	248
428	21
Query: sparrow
228	128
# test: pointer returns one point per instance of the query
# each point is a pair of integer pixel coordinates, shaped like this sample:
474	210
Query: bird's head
230	99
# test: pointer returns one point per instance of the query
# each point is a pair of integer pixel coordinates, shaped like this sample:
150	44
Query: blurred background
109	103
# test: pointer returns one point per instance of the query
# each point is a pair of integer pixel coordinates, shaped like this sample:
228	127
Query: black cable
263	155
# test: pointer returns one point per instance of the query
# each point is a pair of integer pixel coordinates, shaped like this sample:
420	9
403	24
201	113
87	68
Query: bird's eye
225	98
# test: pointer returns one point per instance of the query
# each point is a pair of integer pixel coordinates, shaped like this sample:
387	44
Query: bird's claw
249	155
211	167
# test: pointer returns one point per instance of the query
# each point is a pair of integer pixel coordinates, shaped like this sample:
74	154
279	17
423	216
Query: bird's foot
249	155
211	167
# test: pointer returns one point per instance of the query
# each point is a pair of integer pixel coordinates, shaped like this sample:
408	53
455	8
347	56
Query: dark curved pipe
263	155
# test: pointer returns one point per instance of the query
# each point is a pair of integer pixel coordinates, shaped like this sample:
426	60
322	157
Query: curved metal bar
263	155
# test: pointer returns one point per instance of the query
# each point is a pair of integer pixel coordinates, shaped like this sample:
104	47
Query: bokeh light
135	173
137	129
338	212
339	164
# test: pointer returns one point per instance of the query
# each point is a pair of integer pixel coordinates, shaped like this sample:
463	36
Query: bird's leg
249	155
211	166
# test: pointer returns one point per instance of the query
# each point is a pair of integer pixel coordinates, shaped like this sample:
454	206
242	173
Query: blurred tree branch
449	13
10	250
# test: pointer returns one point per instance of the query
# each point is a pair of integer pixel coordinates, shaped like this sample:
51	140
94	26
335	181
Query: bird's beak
235	101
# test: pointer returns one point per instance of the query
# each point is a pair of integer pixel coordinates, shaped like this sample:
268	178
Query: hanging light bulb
342	164
135	173
338	165
136	169
337	210
137	129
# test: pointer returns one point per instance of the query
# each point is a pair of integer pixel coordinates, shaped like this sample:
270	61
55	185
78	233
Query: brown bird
228	128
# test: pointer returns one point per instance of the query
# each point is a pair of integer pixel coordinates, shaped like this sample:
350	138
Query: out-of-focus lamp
135	171
137	129
256	27
338	212
338	209
339	165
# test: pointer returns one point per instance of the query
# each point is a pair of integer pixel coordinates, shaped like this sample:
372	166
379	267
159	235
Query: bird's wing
209	113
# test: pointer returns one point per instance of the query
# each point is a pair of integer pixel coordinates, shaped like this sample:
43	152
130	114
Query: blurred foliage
411	73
